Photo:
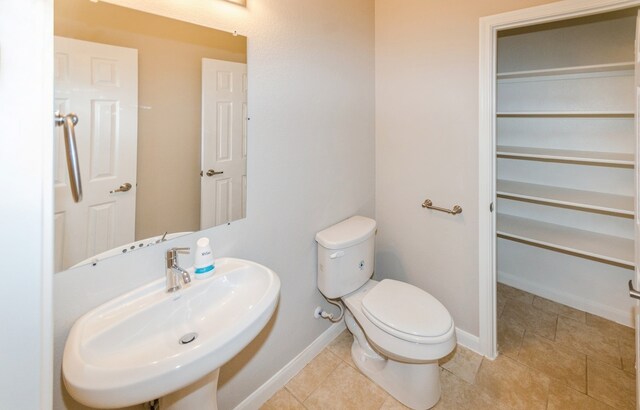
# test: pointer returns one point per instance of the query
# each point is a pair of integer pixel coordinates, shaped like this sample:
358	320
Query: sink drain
188	338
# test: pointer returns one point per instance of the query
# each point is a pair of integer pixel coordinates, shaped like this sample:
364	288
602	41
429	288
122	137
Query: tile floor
551	357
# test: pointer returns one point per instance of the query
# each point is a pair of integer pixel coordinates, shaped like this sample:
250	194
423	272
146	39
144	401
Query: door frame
489	27
26	84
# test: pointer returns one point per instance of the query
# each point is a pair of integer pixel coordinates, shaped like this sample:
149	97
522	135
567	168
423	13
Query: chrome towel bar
457	209
68	123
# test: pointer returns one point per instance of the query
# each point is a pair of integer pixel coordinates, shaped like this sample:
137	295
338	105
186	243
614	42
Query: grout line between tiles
524	334
317	387
553	379
323	379
586	365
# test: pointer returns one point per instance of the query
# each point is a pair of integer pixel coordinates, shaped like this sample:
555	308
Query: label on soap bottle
204	270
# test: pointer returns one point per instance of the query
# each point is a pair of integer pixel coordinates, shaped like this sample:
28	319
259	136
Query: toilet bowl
400	331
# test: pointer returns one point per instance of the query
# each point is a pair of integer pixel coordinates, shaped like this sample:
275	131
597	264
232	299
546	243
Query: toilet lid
406	311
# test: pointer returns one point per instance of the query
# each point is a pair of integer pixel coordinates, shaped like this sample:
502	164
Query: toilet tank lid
347	233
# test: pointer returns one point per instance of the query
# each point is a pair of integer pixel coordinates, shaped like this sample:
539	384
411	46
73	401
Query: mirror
161	135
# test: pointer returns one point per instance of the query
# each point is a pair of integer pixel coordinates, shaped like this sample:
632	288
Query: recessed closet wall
565	161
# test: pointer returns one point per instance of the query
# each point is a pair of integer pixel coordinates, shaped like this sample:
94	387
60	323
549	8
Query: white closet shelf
594	245
556	114
589	200
583	69
595	157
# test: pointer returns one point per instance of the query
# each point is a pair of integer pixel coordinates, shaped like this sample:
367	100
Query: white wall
598	39
311	164
26	143
426	145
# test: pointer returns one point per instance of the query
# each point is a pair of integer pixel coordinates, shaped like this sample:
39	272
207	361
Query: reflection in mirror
161	133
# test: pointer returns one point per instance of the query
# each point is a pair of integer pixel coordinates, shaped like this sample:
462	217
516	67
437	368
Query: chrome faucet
174	272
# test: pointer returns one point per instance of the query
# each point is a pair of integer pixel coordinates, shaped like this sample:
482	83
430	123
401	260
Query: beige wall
427	145
310	165
169	66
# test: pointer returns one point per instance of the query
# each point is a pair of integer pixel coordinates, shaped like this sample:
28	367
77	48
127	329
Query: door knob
632	292
123	188
212	172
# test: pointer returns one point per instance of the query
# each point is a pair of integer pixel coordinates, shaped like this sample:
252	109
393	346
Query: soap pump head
203	242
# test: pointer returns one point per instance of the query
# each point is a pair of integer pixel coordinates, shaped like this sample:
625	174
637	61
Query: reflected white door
224	142
99	83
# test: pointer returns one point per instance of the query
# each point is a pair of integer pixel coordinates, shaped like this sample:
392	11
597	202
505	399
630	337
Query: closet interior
565	159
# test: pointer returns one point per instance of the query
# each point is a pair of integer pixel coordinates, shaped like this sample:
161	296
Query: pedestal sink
147	343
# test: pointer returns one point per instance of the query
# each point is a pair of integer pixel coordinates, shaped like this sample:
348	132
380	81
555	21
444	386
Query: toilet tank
345	256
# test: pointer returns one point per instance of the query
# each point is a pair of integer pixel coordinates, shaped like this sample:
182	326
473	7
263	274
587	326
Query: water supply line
319	312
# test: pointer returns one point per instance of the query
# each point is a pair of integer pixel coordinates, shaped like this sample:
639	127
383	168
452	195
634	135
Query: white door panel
224	142
99	83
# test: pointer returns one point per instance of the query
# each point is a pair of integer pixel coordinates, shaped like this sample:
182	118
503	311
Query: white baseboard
466	339
282	377
617	315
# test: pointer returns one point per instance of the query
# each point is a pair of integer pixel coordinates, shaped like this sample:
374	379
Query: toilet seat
396	347
406	311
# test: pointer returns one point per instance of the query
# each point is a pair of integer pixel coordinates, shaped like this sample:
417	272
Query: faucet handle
172	255
174	251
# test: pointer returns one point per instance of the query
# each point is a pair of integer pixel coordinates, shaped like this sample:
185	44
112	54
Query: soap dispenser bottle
203	264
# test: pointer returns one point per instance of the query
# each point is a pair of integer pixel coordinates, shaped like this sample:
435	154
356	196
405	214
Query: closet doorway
558	179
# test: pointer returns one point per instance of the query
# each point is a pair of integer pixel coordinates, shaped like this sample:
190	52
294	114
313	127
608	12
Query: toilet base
416	385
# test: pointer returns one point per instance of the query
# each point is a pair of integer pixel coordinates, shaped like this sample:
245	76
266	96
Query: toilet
399	330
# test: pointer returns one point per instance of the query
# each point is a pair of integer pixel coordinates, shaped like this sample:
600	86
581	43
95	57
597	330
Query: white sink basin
128	350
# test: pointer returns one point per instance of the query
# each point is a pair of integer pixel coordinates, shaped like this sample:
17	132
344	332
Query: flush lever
335	255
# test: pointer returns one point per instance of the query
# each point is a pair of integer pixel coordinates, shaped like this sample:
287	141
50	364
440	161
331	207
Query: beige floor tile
533	371
510	337
531	318
592	341
627	354
511	293
562	397
555	361
512	384
392	404
462	362
460	395
341	347
500	304
346	388
626	338
611	385
282	400
313	374
609	327
560	309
